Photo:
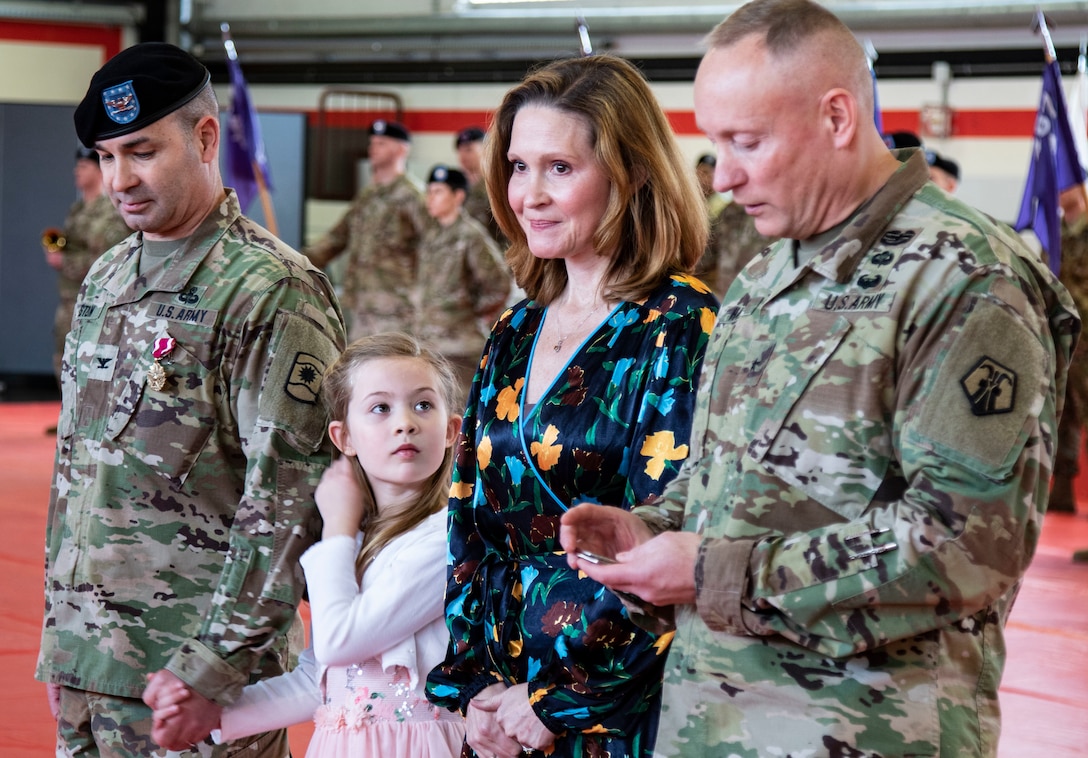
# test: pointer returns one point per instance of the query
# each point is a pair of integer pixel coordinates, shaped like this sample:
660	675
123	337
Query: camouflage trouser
92	724
1071	425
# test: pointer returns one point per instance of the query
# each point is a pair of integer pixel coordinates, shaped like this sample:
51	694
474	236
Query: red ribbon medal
156	375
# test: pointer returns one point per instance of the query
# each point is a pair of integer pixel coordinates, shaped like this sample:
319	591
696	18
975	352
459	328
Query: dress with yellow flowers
612	429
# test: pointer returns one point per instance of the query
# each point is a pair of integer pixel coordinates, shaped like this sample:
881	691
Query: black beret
136	88
899	140
451	176
390	129
706	159
949	166
87	154
469	134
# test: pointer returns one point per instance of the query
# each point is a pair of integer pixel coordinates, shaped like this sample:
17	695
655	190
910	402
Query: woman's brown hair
655	223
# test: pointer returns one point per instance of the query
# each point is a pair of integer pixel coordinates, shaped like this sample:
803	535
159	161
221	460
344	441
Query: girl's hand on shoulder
339	498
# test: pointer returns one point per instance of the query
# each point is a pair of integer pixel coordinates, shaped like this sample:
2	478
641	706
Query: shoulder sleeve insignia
304	379
990	387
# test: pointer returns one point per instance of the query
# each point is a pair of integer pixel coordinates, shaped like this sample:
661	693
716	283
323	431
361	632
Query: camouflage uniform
90	229
733	242
1074	275
177	516
870	458
478	206
462	286
380	232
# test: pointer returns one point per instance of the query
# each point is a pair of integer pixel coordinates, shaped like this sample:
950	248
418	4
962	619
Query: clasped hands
501	723
181	717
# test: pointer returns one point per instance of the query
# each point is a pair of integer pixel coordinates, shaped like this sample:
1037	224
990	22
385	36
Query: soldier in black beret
375	244
469	135
191	415
136	88
900	140
451	177
469	143
391	129
944	172
462	282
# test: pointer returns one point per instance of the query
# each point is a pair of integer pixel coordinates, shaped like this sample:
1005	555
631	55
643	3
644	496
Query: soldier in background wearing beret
944	172
469	144
190	438
463	280
380	233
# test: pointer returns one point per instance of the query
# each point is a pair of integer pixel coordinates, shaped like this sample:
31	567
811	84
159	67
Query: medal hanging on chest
156	375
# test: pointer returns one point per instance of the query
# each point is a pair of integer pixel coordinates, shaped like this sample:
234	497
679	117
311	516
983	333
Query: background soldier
463	281
91	228
733	240
191	437
380	232
470	154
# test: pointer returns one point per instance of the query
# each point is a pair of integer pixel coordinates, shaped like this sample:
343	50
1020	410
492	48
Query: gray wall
37	151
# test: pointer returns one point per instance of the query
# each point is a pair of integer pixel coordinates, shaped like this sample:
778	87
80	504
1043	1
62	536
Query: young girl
377	576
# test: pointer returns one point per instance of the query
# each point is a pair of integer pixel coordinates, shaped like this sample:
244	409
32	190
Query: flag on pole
246	162
1078	107
871	56
1055	166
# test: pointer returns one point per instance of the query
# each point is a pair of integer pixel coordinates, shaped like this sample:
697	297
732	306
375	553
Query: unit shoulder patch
990	387
304	379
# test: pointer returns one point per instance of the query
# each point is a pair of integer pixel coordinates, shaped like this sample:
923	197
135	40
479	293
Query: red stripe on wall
967	123
106	37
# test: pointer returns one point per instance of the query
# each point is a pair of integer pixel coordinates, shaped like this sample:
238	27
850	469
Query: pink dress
362	678
369	712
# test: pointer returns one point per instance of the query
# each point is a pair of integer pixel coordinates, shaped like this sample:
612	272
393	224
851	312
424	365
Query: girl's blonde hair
336	394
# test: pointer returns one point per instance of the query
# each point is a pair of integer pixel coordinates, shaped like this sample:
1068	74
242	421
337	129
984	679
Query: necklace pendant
558	346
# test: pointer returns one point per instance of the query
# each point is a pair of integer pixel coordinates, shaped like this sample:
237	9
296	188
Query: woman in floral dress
585	394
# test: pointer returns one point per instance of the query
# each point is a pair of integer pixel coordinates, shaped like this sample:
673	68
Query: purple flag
1055	166
878	117
245	149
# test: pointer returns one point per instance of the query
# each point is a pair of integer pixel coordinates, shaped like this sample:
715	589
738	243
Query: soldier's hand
194	720
600	529
660	571
52	692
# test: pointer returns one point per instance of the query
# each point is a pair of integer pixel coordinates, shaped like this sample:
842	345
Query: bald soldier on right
873	438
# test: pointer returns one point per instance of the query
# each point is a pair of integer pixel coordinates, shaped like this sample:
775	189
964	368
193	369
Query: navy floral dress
612	429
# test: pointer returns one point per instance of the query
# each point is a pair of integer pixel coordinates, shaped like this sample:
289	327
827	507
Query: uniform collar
181	267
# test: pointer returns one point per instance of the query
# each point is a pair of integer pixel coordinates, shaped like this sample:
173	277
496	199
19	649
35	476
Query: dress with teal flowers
612	429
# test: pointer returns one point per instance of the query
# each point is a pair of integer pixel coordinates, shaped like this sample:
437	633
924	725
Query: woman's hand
340	499
520	721
483	732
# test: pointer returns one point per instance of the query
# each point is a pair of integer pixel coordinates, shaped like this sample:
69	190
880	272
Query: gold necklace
559	328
